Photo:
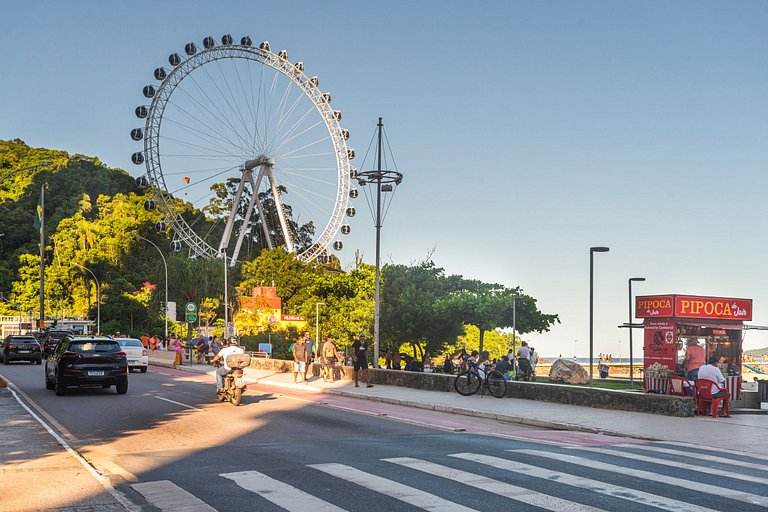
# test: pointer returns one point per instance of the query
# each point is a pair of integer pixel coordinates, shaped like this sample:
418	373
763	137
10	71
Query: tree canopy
93	210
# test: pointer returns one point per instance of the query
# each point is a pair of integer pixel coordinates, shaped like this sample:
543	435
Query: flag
39	212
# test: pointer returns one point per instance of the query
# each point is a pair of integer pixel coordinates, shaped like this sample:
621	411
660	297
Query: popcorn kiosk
671	322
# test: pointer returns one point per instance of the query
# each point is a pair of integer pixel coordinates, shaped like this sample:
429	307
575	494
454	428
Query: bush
280	340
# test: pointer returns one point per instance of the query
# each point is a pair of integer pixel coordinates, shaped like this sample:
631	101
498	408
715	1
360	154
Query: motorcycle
234	385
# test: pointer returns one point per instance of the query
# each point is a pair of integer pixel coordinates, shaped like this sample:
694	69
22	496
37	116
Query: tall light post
384	181
317	325
631	362
165	309
98	296
592	251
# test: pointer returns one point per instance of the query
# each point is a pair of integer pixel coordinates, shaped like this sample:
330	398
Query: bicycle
469	381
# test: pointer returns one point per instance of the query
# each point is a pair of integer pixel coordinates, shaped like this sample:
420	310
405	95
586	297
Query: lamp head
637	279
599	249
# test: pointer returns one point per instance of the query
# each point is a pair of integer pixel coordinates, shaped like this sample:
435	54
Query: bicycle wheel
467	383
496	383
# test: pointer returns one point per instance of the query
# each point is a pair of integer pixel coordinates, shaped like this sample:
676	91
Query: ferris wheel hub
258	162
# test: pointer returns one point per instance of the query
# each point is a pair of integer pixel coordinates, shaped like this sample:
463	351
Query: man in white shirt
231	348
711	372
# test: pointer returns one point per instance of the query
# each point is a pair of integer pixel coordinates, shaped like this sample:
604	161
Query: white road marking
166	495
691	485
279	493
104	481
688	466
595	486
514	492
407	494
690	454
178	403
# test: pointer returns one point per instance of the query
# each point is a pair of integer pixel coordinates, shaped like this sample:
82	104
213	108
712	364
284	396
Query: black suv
51	338
20	348
88	361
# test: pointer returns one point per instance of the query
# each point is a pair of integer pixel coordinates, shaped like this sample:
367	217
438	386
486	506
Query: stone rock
569	372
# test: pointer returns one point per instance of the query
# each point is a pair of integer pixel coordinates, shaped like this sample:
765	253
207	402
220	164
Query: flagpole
42	256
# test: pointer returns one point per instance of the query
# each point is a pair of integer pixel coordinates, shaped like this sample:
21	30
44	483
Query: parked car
138	356
86	361
20	348
51	338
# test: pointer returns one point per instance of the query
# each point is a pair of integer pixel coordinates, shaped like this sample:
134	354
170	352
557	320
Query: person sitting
711	372
503	366
447	364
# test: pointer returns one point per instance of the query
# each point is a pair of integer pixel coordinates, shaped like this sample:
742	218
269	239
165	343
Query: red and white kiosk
671	321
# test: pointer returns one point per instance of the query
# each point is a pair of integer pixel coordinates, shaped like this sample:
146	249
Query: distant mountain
756	351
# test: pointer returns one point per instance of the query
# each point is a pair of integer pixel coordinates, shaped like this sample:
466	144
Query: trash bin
762	391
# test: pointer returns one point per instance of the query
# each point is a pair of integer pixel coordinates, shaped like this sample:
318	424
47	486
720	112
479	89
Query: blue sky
527	131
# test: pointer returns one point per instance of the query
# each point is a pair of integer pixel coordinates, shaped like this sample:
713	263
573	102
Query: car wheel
143	369
122	387
48	383
59	387
6	361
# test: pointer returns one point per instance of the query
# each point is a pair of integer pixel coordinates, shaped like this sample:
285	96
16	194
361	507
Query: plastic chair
704	398
678	385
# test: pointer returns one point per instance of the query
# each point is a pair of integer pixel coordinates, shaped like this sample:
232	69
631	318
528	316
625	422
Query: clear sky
527	131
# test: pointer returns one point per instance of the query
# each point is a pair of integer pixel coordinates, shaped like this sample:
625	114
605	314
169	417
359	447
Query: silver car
138	356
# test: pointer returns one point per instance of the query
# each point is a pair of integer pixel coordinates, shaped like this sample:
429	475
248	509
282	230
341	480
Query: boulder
569	372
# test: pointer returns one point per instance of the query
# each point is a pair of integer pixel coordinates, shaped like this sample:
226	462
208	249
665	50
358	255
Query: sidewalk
744	432
60	482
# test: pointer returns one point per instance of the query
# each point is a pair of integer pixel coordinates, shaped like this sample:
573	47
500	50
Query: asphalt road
169	444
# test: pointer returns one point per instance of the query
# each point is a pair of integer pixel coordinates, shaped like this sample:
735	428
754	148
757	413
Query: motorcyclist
231	348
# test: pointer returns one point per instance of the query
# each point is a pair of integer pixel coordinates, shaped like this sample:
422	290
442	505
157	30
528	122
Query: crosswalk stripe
165	495
597	486
514	492
724	451
690	454
648	475
410	495
279	493
688	466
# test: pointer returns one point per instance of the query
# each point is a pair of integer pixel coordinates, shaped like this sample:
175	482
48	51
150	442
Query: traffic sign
190	310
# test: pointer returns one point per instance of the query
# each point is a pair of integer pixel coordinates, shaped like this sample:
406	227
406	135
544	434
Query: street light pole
165	312
226	294
317	325
592	251
631	362
384	181
98	296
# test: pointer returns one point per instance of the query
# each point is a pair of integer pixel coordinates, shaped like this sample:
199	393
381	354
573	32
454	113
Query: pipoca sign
692	306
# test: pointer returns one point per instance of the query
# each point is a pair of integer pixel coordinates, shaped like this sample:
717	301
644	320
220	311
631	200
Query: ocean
585	360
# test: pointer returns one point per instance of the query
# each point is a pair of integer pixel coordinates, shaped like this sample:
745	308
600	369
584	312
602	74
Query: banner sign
659	346
693	306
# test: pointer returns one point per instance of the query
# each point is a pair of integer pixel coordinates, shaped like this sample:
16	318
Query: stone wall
559	393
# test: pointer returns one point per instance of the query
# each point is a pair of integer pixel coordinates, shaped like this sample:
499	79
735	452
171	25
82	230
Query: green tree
414	309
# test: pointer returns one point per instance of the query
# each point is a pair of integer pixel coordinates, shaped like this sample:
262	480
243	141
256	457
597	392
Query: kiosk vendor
672	323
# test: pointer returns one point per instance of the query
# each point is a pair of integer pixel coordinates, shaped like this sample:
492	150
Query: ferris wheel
240	144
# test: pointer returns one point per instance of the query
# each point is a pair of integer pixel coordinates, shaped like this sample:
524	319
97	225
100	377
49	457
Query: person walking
328	351
360	360
178	347
299	359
